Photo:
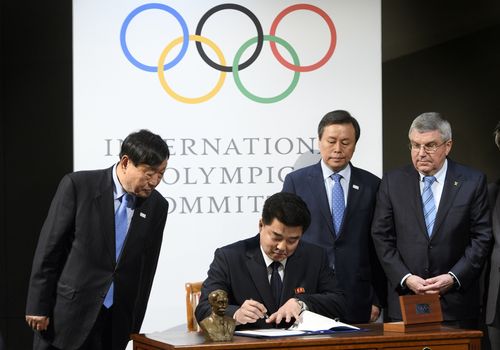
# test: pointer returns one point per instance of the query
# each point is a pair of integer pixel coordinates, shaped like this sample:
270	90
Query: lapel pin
456	183
143	215
300	290
356	187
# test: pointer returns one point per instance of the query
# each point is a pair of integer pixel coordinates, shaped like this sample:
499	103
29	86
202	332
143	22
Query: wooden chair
193	292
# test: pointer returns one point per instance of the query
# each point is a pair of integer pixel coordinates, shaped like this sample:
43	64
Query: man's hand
288	310
38	323
439	284
375	313
249	312
417	284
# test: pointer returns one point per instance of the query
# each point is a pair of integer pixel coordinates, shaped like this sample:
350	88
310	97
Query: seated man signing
272	277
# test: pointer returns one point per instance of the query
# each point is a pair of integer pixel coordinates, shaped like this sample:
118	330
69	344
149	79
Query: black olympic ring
255	20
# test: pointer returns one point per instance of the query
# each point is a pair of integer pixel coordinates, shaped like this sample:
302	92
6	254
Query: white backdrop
229	149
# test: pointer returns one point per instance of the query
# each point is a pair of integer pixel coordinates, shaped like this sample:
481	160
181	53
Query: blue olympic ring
150	6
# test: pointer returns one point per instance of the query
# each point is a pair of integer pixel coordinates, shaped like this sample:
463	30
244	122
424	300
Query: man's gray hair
431	121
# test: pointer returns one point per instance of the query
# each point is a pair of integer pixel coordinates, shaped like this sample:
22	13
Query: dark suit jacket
494	277
357	269
74	262
459	243
240	270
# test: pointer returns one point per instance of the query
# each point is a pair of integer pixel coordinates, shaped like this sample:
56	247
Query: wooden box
420	313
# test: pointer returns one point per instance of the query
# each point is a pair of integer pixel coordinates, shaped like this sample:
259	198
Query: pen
266	316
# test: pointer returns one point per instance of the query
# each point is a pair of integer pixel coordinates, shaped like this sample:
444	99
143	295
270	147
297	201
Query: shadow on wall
306	159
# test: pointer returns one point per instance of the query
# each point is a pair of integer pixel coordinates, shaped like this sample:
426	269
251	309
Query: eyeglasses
428	148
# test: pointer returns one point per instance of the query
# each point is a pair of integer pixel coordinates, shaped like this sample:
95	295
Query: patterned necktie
121	228
338	203
276	283
428	203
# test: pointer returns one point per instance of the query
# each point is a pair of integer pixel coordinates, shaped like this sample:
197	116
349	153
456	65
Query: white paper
310	321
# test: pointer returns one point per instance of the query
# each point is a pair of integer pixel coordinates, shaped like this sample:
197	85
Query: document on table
269	332
308	323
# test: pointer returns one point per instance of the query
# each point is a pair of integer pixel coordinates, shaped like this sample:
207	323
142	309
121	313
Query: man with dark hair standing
341	198
431	226
98	249
493	303
273	276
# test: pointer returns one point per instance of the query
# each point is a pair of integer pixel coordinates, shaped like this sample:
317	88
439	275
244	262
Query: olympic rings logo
222	66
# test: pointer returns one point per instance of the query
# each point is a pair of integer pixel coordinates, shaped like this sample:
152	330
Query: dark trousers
99	337
494	334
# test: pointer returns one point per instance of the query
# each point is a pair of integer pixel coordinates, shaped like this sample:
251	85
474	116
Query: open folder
308	323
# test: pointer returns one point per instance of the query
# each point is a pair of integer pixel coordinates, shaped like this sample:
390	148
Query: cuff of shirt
403	280
455	279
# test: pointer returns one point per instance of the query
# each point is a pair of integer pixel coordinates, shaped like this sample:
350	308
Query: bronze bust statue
217	326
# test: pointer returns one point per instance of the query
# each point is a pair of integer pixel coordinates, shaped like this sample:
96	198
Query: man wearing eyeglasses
431	226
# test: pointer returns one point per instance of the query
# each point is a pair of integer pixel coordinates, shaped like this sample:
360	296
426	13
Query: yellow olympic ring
175	95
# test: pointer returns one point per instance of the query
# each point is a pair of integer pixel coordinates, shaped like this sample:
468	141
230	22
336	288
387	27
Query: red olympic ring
328	54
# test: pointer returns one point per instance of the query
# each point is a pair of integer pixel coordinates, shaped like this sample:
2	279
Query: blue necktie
338	203
276	283
121	227
428	203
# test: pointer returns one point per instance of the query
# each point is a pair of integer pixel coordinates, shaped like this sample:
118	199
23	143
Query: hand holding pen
250	312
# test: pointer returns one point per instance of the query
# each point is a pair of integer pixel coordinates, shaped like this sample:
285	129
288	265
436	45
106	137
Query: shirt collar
327	172
440	175
268	260
118	190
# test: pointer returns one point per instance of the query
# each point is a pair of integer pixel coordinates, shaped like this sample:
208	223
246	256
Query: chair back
193	292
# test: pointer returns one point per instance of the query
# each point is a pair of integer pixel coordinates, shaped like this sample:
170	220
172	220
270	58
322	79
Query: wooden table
373	338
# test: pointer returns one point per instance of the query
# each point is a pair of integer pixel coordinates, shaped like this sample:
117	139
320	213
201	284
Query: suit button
426	270
430	246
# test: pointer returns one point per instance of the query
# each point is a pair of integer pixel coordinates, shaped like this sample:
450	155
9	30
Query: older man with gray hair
431	227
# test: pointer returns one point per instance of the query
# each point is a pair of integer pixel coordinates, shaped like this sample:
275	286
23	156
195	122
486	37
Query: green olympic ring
247	93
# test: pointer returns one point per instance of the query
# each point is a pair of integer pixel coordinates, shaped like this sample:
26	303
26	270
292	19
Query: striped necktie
428	203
